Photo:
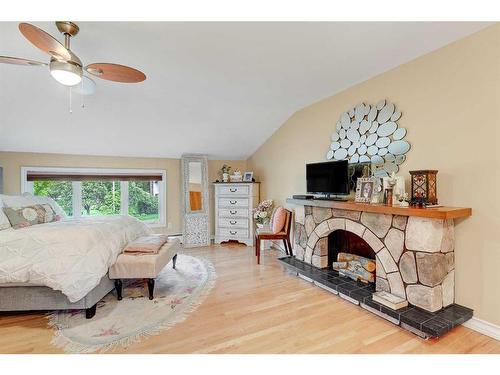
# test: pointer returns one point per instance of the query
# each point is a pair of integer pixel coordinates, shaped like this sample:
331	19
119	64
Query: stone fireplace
414	255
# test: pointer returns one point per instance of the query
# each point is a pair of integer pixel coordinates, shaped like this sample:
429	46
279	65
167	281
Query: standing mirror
196	224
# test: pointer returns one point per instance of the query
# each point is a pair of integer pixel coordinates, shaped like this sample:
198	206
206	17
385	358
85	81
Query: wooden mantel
434	213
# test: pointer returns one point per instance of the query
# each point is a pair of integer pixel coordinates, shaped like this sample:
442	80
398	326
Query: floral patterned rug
121	323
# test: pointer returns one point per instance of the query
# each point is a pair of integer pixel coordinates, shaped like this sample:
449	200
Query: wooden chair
267	234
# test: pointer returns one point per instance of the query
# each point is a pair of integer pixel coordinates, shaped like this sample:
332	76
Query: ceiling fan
64	66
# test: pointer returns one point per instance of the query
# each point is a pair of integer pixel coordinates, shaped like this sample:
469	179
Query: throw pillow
279	219
15	201
4	221
37	199
30	215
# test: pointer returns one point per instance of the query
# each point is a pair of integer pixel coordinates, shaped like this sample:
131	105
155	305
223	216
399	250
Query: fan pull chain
70	108
83	105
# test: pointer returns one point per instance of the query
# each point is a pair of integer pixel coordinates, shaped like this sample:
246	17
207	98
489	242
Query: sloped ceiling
214	88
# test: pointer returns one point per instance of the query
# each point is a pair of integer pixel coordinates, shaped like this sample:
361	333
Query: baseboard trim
484	327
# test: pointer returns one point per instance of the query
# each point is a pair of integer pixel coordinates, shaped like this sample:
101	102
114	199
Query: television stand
338	199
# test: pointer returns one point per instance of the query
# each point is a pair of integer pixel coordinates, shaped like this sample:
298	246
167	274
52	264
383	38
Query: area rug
121	323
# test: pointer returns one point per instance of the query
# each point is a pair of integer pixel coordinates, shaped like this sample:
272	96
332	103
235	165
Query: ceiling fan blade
116	72
44	41
19	61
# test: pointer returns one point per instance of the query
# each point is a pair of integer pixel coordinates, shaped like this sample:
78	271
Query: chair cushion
128	266
263	231
279	219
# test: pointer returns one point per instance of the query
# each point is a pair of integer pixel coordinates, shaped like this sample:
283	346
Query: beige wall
450	105
13	161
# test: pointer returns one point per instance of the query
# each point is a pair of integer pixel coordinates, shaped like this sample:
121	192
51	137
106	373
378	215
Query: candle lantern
424	187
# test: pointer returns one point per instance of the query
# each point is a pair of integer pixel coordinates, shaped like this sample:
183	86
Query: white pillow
15	201
4	221
36	199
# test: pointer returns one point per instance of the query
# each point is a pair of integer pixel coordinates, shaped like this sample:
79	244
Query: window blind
53	176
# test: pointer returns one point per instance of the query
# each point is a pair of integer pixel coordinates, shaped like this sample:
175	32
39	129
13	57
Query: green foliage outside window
103	197
100	198
142	204
60	191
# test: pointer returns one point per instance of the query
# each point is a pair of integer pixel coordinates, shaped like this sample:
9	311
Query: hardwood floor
262	309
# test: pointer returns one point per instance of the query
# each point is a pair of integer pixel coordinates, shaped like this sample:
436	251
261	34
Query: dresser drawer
236	233
233	202
233	190
236	212
233	223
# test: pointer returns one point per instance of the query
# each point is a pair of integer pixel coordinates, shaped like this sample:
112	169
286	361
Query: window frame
27	187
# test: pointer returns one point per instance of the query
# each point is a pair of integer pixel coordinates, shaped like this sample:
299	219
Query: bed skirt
28	298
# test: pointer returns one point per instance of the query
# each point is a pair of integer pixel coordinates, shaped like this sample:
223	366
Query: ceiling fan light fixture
65	72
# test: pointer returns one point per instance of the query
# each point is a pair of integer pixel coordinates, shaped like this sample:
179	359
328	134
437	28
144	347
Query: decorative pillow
16	201
279	219
30	215
36	199
4	221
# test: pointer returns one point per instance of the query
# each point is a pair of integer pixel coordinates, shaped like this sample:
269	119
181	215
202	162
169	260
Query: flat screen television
330	178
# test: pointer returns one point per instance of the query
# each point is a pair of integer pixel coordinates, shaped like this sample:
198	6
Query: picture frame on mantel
364	189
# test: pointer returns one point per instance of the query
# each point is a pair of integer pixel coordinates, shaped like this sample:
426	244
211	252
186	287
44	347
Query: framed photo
248	177
364	189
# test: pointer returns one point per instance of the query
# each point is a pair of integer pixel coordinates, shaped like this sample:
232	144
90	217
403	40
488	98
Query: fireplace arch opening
345	242
342	241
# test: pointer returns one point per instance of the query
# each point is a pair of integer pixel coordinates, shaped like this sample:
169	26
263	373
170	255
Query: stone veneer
414	255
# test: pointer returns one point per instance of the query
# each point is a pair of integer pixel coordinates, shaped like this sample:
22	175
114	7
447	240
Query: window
60	191
143	200
94	192
101	198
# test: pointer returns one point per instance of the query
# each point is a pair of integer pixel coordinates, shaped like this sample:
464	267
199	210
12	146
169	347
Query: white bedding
70	255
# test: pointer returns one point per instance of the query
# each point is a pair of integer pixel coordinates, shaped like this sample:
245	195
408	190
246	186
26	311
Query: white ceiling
214	88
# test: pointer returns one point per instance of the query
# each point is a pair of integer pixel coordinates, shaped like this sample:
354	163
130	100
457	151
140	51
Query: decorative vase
225	177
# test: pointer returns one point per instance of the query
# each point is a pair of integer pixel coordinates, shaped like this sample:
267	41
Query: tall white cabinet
233	211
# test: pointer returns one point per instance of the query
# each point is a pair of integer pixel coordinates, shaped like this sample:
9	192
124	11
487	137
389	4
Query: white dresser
233	211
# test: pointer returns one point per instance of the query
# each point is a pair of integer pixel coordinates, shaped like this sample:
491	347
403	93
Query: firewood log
368	264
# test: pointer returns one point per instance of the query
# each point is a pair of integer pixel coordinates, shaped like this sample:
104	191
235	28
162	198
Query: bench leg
90	312
151	288
118	287
174	260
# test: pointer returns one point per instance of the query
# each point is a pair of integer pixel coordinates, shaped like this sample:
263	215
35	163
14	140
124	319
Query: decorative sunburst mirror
366	134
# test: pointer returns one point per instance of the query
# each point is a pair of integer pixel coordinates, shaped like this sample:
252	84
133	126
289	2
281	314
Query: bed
63	264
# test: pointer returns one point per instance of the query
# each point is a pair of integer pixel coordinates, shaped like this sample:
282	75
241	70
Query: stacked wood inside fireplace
351	256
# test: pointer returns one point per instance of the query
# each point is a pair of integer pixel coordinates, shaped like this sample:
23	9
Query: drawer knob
233	232
233	212
233	190
232	222
233	202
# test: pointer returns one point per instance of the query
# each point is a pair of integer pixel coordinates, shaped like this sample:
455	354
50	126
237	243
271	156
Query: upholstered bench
147	266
